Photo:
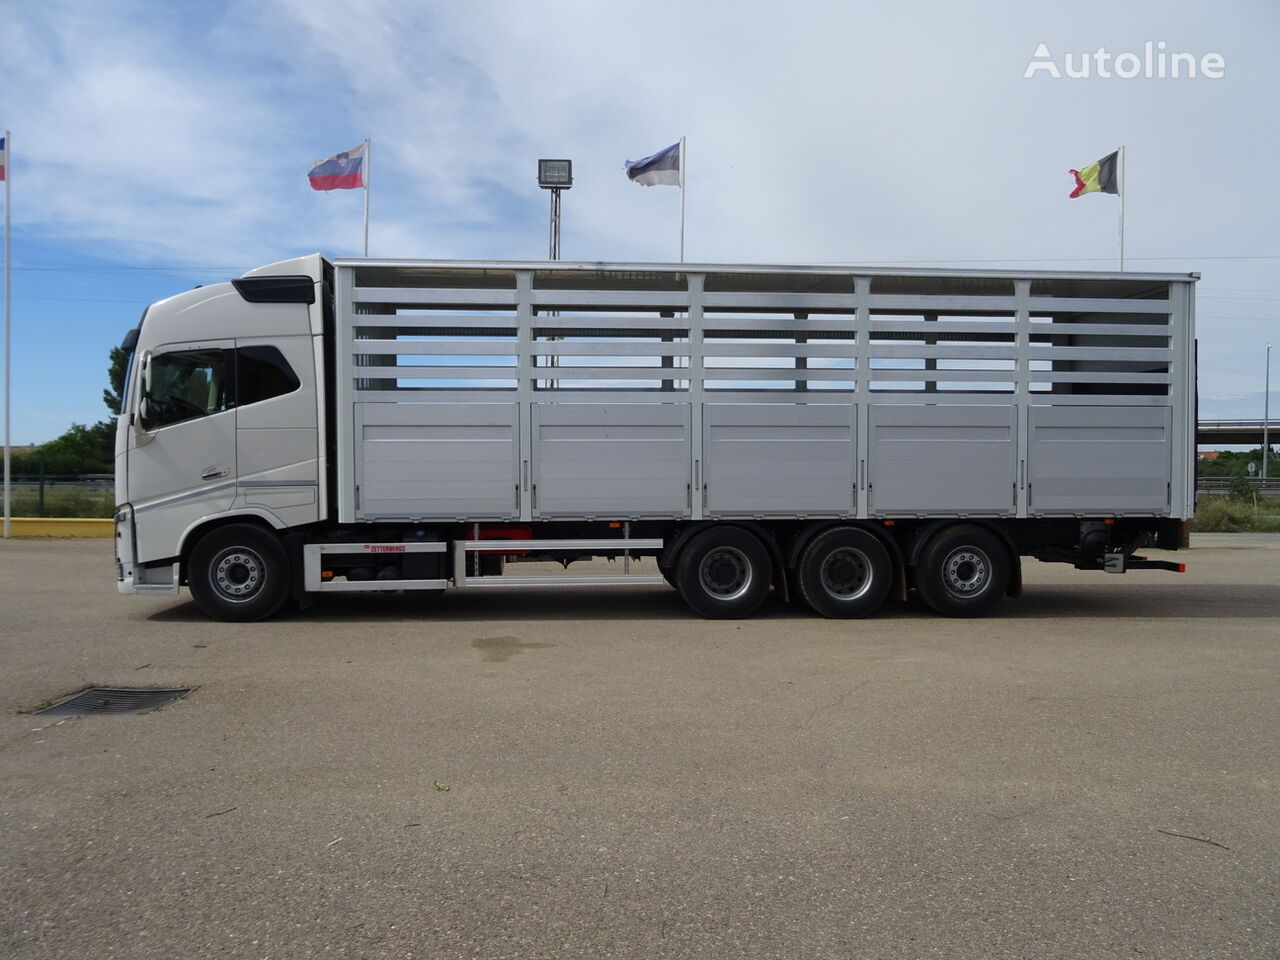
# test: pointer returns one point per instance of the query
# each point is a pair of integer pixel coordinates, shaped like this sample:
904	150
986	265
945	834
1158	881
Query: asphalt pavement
1091	772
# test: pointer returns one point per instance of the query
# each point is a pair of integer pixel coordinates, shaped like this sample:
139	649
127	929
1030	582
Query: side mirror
142	422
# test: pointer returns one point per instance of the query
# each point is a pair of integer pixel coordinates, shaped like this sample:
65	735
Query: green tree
113	396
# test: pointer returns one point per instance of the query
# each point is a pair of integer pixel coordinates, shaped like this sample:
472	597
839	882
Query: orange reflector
326	574
614	526
1109	521
890	523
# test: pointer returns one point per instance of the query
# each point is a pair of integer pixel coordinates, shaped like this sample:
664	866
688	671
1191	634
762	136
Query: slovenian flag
4	157
342	171
1097	177
661	169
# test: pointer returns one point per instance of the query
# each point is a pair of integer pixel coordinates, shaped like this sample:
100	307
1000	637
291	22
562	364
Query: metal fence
60	495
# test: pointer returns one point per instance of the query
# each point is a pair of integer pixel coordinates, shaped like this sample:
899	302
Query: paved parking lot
1090	773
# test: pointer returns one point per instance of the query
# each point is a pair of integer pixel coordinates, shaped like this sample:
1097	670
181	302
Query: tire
238	573
963	571
724	573
845	573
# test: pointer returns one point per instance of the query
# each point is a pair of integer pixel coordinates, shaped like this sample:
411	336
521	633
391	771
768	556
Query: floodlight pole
1266	416
554	252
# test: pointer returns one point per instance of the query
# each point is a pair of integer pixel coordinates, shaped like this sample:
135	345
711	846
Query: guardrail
1223	485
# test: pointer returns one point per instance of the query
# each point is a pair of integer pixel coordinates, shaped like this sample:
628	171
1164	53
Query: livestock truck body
836	434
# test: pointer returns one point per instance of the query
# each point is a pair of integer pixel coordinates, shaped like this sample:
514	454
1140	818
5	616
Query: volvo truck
836	435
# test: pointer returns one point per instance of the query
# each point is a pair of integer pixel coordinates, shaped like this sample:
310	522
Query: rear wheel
845	573
963	571
238	573
724	573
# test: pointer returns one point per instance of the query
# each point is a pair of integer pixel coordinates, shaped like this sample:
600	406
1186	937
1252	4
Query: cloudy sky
158	146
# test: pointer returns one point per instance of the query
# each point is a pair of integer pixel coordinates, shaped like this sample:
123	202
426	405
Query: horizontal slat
408	396
436	348
790	325
927	327
1133	354
896	301
430	295
943	376
605	373
500	546
713	348
621	348
435	373
620	580
1096	376
434	321
611	322
1102	329
782	301
673	299
1096	305
942	351
378	586
779	373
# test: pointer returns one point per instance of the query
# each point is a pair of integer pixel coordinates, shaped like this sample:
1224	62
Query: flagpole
368	170
1123	191
682	199
8	178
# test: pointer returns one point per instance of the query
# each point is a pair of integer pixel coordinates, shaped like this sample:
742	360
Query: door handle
213	473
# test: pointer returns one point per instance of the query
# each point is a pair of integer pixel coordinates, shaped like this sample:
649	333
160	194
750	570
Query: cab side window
185	385
263	373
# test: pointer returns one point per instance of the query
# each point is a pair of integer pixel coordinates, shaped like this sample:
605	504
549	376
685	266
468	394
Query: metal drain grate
114	700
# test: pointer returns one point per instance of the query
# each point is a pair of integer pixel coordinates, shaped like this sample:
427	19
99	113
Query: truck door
182	450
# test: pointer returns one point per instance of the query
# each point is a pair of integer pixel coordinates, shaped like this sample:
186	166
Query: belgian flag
1097	177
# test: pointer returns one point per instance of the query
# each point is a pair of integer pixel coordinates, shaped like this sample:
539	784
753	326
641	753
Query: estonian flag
663	168
342	171
1097	177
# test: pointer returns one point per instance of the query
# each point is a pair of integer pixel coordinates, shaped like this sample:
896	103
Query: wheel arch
206	525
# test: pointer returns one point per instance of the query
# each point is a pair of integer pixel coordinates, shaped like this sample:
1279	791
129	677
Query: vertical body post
1266	416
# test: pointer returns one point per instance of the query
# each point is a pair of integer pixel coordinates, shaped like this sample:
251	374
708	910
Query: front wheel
238	573
724	573
963	571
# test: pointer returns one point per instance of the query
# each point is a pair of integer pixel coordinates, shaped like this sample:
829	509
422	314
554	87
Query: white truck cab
222	419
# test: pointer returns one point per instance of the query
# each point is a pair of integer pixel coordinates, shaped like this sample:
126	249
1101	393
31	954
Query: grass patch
64	501
1217	514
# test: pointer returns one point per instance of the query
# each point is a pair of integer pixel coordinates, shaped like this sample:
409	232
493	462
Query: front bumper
131	577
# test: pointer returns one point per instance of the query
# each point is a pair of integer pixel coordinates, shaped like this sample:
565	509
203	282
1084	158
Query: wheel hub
238	574
725	573
966	571
846	573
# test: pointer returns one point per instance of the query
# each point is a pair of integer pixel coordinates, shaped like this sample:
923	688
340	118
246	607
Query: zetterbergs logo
1155	62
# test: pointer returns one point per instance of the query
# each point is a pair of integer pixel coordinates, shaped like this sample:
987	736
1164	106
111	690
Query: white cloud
828	133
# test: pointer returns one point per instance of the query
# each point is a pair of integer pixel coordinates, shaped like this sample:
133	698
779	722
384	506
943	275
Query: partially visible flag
4	157
661	169
1097	177
342	171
